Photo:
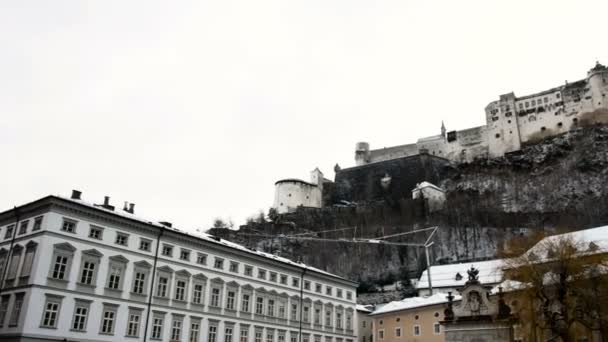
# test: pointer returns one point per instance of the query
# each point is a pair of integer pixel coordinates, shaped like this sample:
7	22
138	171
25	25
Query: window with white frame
162	287
318	288
167	250
230	299
122	239
261	273
306	314
133	323
9	231
4	308
307	285
145	244
381	334
397	332
328	314
245	302
259	305
108	319
23	227
417	330
141	273
180	290
176	329
157	325
339	320
281	336
339	293
17	306
328	290
228	331
317	317
63	254
283	279
184	254
270	335
218	263
258	335
89	266
81	314
215	296
212	336
270	308
201	259
14	264
234	267
248	270
349	295
50	315
295	282
115	276
68	225
281	313
195	330
95	232
294	312
244	333
197	293
436	328
273	277
37	223
293	336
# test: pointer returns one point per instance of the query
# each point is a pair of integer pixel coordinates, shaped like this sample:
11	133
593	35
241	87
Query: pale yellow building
414	319
365	323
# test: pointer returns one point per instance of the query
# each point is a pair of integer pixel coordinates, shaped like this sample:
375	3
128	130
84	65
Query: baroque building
75	271
511	122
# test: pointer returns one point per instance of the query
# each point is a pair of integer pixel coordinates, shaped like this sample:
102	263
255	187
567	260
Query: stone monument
478	317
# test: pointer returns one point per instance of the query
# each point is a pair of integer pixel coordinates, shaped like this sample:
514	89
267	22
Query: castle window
495	118
508	114
559	124
546	99
575	120
527	104
542	129
557	95
533	103
497	135
289	195
509	121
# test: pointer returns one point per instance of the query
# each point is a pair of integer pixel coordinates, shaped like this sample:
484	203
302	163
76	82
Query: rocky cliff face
558	183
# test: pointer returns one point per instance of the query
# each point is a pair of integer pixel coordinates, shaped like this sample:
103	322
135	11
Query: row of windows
167	250
23	227
416	331
181	286
177	329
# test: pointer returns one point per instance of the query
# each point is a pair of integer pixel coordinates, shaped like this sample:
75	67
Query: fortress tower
362	153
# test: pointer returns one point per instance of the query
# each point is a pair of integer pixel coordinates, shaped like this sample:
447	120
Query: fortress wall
291	194
393	152
469	144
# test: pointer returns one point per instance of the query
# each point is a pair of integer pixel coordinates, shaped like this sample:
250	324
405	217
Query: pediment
233	284
143	264
218	280
119	258
64	246
183	273
93	252
200	276
165	269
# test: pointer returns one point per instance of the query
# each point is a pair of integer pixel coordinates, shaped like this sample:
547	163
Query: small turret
362	153
442	129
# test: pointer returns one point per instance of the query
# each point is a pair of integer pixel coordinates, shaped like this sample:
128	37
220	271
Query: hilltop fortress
510	122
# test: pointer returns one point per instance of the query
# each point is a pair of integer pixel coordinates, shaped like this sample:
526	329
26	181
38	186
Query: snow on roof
446	275
413	302
202	236
425	184
586	237
364	308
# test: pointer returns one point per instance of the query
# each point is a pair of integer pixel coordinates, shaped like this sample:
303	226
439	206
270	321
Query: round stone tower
362	153
597	78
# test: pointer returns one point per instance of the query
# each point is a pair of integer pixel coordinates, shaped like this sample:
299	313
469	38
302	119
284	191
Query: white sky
193	109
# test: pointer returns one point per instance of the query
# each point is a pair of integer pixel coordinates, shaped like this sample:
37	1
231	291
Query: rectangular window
218	263
234	267
180	290
397	332
161	290
215	297
293	337
261	273
349	295
339	293
294	312
23	227
228	334
79	322
338	320
4	309
318	288
50	314
258	336
328	318
328	290
245	303
17	306
436	328
270	310
230	296
144	245
197	294
201	259
281	336
114	277
157	328
281	309
176	330
306	285
122	239
95	233
270	336
9	231
295	282
167	251
88	271
306	314
244	335
139	282
283	279
417	331
184	254
133	324
37	223
212	333
381	334
59	268
195	328
317	316
273	277
248	270
107	321
259	306
68	226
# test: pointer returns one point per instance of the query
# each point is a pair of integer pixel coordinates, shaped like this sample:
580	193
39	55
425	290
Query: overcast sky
193	109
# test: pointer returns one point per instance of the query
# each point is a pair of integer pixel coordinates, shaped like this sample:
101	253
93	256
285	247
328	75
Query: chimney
106	203
126	206
166	224
76	194
132	208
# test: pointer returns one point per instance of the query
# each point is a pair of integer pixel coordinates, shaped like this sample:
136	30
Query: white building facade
292	193
75	271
